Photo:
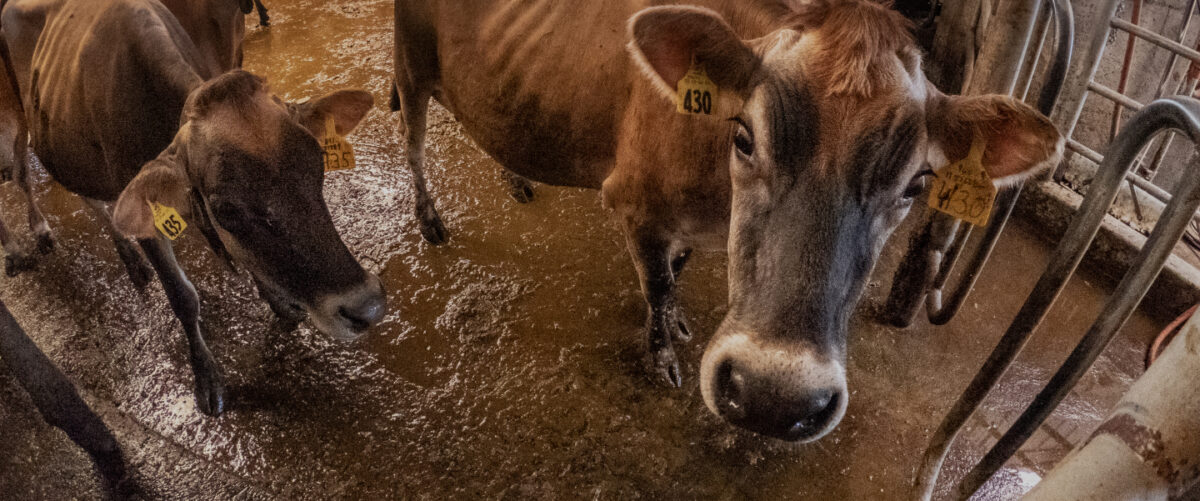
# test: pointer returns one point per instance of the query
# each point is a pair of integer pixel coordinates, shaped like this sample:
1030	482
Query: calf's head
832	129
255	164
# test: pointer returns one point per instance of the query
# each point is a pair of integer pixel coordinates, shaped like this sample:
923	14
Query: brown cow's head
833	128
256	164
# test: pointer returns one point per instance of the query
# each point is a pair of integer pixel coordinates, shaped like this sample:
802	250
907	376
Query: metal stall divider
1181	114
931	256
1174	114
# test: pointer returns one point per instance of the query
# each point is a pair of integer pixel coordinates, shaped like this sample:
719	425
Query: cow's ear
347	107
161	181
1018	141
667	41
246	6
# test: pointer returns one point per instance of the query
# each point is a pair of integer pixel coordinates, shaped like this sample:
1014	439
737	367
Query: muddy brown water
510	365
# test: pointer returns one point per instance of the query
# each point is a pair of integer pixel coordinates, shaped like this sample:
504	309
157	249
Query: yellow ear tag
338	153
167	220
963	189
695	93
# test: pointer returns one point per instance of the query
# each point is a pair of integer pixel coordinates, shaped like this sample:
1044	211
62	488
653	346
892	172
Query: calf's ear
667	41
347	107
161	181
1018	140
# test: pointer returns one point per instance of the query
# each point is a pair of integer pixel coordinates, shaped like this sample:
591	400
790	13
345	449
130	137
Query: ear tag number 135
338	153
963	189
167	220
695	93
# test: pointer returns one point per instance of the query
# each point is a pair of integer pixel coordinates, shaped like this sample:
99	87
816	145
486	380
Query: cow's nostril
731	387
814	414
355	319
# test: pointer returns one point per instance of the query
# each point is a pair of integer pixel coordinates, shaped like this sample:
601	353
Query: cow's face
255	165
833	131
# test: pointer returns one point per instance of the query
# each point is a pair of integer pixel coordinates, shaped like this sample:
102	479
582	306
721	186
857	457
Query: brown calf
822	131
123	106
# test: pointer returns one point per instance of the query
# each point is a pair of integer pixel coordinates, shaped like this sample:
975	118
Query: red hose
1164	338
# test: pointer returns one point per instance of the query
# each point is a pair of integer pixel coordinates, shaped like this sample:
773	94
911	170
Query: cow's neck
193	19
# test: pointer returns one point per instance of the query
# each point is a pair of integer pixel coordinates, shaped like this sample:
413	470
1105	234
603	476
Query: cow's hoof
520	188
14	264
678	326
45	243
210	393
666	366
431	226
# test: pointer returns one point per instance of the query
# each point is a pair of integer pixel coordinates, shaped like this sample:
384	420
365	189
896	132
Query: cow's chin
325	317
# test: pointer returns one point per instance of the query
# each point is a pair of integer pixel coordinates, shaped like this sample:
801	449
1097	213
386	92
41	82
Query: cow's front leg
664	323
210	390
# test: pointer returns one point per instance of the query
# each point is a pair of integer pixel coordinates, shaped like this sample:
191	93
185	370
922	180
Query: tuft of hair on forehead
236	89
855	43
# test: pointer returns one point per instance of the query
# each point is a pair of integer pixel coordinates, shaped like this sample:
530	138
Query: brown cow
124	106
822	131
217	27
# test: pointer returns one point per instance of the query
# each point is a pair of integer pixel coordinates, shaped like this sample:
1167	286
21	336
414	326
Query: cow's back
103	82
541	85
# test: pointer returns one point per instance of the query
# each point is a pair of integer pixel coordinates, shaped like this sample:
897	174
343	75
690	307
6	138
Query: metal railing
1181	114
931	257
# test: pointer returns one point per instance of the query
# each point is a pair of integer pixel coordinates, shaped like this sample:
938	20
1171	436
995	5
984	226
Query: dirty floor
510	365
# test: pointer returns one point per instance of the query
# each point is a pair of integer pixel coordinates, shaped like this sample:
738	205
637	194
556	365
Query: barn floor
510	365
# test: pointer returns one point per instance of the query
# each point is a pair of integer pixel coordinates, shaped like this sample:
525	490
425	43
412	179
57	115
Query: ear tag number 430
963	189
695	92
338	153
167	220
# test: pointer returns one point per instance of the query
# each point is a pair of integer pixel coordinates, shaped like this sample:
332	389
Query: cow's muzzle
786	394
348	315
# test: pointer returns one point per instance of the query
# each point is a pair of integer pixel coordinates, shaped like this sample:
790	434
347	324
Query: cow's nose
365	306
760	404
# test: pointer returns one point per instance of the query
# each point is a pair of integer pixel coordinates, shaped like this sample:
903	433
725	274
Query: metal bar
1045	17
1180	113
1082	149
1156	39
1114	96
1070	106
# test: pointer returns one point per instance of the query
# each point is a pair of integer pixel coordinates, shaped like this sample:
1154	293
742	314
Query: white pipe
1149	447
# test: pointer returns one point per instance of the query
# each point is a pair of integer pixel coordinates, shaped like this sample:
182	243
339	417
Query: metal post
1070	105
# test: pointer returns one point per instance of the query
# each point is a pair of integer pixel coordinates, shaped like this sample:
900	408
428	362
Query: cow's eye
742	140
917	185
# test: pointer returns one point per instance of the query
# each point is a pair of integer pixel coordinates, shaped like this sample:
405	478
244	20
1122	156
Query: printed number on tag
338	153
167	220
963	189
695	93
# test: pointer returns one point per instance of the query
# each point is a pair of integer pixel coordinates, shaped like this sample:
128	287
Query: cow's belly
538	85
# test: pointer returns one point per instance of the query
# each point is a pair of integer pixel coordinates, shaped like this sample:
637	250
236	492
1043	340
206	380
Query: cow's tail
394	100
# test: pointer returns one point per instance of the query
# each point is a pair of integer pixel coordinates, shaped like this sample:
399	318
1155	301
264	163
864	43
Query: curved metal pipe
1179	113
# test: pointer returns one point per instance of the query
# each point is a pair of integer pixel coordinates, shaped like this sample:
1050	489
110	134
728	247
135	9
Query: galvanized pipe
1179	113
1070	106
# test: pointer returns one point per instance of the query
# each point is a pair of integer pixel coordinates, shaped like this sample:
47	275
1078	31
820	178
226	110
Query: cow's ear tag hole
338	153
695	94
963	189
167	220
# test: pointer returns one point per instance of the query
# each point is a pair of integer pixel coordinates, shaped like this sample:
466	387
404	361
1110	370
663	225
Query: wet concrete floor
511	363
